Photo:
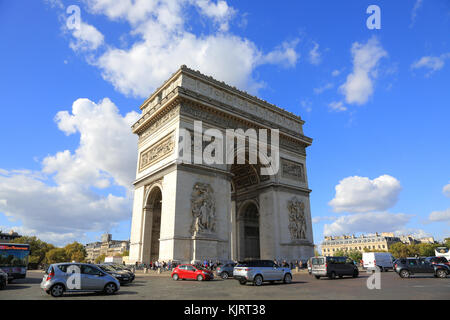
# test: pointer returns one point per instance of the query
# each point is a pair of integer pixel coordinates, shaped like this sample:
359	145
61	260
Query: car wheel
258	280
199	277
110	288
355	274
224	275
317	277
381	269
242	282
3	284
332	275
441	273
287	278
404	274
175	277
340	277
10	281
57	290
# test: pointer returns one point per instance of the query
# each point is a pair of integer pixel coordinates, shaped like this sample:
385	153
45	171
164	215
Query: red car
188	271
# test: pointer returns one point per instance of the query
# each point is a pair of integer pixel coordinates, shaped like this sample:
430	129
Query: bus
442	252
14	259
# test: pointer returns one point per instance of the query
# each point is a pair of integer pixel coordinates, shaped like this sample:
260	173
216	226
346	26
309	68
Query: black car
407	266
119	267
3	279
123	276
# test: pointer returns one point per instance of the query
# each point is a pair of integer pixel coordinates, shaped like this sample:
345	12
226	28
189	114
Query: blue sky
376	103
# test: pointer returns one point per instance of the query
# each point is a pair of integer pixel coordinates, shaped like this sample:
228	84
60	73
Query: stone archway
248	237
152	230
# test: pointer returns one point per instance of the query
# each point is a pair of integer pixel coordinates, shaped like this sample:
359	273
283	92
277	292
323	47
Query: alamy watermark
251	147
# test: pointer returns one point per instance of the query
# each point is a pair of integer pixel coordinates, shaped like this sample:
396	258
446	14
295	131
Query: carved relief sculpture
203	209
156	152
297	221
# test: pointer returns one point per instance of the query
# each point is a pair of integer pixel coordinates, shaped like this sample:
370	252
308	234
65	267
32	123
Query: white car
382	260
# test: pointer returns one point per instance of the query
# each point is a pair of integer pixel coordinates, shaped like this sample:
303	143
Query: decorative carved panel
297	220
156	152
203	209
292	170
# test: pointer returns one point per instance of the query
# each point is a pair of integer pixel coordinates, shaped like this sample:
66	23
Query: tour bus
14	259
442	252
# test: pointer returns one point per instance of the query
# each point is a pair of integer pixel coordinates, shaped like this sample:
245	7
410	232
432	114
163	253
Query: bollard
159	270
296	269
145	270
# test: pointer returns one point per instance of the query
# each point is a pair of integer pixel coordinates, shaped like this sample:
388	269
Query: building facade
6	237
107	247
194	210
376	241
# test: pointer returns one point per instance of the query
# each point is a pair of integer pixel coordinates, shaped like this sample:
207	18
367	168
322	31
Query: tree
38	249
355	255
125	253
56	255
339	253
399	250
447	242
75	252
100	258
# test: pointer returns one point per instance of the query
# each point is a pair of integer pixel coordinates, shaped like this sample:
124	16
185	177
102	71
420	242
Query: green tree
355	255
399	250
447	242
38	249
100	258
125	253
56	255
75	252
339	253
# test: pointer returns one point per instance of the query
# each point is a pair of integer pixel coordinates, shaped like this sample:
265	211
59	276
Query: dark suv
405	267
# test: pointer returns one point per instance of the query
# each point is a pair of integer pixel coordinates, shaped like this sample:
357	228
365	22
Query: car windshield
107	268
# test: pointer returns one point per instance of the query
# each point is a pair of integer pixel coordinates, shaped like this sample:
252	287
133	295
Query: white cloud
164	42
360	194
446	190
323	88
314	55
440	216
335	73
359	85
86	37
220	12
431	63
60	202
416	7
367	223
337	106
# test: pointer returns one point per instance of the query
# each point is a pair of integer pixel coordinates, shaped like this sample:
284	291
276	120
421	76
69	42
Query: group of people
210	265
156	265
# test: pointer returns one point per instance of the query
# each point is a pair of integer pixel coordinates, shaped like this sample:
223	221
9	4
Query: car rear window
318	261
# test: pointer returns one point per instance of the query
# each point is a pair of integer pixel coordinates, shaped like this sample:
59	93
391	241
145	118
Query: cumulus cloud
367	223
431	63
360	82
164	41
440	216
67	198
361	194
446	190
86	37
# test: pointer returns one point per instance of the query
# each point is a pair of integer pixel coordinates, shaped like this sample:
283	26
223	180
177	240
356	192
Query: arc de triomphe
195	211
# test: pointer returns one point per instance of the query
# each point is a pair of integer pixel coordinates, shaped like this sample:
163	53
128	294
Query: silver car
259	271
77	277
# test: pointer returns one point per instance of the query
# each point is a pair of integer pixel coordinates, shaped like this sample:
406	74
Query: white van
382	260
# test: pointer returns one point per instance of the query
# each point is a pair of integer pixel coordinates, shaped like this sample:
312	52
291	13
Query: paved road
155	287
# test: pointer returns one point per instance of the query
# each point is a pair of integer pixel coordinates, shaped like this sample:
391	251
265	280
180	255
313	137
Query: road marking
419	286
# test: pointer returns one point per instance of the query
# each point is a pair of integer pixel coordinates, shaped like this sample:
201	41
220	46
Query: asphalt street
303	287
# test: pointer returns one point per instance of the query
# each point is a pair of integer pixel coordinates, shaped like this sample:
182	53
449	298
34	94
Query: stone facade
376	241
107	247
216	211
